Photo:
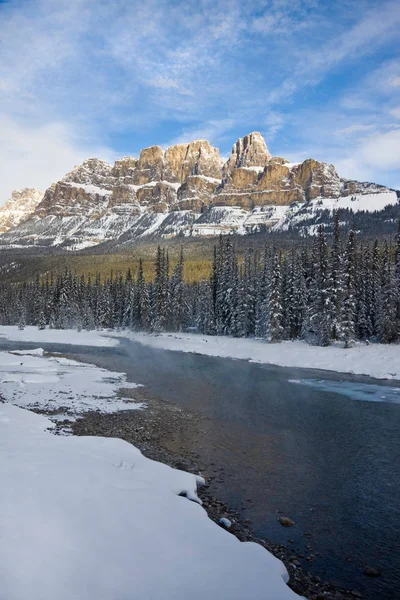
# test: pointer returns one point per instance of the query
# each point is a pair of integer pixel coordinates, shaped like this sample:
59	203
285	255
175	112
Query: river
319	447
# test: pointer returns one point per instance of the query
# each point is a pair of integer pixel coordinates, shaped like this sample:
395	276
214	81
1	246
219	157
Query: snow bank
56	336
30	380
377	360
90	518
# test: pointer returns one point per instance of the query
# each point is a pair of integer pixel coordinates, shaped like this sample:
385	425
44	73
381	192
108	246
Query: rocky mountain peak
249	151
19	207
194	158
93	171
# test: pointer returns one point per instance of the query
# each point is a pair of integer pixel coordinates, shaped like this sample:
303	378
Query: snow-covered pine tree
275	311
386	319
178	307
261	304
349	303
160	292
227	277
317	324
336	280
363	319
245	309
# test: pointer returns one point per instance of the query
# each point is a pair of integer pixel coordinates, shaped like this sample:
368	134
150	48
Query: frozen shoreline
381	361
56	336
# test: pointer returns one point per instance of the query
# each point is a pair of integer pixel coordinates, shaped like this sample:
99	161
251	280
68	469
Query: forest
337	289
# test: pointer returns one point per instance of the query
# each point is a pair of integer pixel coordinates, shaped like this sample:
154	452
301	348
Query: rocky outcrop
196	158
68	199
157	196
249	151
317	179
278	183
196	193
92	171
19	207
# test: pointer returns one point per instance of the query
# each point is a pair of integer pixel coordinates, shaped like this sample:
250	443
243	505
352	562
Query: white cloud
169	83
396	111
374	29
394	81
375	157
274	123
356	128
36	156
382	150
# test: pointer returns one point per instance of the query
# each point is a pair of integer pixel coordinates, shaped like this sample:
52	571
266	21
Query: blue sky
105	78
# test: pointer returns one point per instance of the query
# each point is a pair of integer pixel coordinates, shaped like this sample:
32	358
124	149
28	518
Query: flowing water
321	448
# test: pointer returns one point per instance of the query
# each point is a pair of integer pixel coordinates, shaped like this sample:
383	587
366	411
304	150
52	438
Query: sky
85	78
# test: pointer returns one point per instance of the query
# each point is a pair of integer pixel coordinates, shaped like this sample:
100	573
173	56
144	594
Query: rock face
185	189
196	158
19	207
279	183
249	151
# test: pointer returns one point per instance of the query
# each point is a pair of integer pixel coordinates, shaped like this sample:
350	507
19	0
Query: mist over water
321	448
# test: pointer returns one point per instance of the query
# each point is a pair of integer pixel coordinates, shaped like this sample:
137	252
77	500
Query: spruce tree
349	304
275	312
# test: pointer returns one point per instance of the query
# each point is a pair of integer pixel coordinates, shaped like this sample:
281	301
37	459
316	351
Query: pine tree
275	312
363	319
386	319
178	307
245	307
317	324
160	292
349	305
336	280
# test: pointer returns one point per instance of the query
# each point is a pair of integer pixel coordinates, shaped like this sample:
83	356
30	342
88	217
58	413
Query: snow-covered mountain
186	190
19	207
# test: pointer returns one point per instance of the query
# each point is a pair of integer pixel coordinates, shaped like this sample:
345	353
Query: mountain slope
187	190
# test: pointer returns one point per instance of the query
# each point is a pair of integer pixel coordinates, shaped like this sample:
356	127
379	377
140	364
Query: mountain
186	190
19	207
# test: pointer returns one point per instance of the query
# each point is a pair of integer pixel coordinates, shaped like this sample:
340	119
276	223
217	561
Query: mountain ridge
185	190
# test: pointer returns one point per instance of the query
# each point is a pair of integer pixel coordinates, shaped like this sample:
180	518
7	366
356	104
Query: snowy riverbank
376	360
381	361
91	518
56	336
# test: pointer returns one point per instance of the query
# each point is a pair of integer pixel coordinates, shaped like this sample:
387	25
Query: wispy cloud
354	129
112	77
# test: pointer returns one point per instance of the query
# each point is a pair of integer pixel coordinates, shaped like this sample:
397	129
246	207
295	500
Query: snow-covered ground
377	360
56	336
28	379
89	518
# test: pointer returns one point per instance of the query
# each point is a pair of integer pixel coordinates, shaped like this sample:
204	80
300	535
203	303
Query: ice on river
29	379
365	392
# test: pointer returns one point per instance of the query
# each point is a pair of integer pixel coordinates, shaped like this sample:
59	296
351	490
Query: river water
319	447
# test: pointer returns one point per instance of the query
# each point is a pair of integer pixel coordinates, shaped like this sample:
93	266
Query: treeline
342	290
376	224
